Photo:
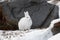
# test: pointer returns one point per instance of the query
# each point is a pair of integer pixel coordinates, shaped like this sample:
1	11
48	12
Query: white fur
25	22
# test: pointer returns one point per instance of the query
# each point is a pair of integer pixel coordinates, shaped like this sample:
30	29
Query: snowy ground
33	34
55	37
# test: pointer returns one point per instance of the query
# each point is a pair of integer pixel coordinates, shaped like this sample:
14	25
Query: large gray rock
42	13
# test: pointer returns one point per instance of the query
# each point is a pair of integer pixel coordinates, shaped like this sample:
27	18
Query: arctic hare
25	22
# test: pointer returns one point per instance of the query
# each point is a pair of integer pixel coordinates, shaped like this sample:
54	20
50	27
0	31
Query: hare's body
25	22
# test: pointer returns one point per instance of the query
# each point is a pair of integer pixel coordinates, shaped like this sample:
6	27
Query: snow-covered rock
25	22
55	37
55	21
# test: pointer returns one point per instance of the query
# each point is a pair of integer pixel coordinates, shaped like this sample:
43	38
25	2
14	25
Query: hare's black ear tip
25	11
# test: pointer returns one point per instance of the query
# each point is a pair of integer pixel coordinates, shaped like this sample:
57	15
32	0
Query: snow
33	34
55	37
2	0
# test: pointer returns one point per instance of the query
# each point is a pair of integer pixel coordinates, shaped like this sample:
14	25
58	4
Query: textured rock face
35	10
13	11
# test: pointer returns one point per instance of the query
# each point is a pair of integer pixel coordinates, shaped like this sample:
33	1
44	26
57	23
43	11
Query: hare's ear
26	12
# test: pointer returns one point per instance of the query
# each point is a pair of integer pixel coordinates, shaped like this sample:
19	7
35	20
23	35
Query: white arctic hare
25	22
